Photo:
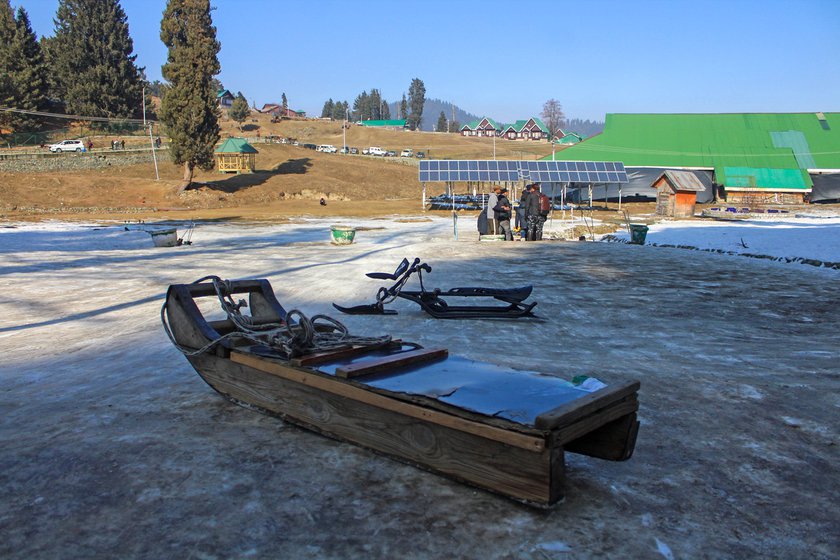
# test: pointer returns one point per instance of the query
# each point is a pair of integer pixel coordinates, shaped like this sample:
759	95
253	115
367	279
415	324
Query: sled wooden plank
332	355
583	406
582	426
403	359
344	389
534	477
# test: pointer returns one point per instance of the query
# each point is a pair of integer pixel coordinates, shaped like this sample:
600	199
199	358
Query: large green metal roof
398	123
792	141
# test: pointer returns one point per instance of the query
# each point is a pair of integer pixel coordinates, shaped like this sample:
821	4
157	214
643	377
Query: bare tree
553	117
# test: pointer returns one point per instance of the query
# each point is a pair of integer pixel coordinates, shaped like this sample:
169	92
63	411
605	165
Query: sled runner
435	302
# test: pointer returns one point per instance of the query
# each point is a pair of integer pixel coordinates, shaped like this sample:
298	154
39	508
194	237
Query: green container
638	233
342	235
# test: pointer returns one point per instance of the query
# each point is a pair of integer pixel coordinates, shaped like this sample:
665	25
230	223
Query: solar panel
529	170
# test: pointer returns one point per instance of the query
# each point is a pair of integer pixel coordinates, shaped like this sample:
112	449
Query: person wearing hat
502	213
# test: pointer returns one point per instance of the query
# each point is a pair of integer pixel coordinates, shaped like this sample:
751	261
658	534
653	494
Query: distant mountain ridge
433	107
431	112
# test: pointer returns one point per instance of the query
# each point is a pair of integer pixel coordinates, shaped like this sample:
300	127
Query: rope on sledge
298	335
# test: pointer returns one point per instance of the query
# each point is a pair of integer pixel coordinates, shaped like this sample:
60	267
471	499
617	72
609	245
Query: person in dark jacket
502	213
521	217
532	213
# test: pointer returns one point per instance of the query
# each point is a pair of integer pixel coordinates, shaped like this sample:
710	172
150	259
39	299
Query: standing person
521	215
122	144
492	200
502	214
532	212
90	145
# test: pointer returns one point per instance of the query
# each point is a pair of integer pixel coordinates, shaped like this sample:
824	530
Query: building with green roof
235	155
392	123
484	126
526	129
764	157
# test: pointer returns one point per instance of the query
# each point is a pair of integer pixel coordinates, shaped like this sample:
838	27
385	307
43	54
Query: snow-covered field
111	446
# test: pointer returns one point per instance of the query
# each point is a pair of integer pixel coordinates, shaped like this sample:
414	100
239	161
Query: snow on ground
804	238
111	445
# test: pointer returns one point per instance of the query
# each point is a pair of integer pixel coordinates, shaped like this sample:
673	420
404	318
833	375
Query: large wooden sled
497	428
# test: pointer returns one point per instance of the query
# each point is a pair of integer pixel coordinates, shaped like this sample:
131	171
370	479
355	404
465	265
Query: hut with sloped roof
235	155
676	193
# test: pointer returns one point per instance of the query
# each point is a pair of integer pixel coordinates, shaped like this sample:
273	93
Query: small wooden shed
236	155
676	193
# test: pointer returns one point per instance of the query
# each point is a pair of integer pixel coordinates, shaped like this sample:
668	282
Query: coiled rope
296	336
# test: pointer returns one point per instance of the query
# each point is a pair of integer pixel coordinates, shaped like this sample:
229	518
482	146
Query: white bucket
164	237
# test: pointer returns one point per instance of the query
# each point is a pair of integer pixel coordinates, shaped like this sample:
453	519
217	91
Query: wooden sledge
500	429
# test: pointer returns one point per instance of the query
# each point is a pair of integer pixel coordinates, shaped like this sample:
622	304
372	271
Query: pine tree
327	111
188	109
285	105
361	107
90	58
23	82
403	108
441	124
8	95
374	101
239	111
416	100
339	112
386	110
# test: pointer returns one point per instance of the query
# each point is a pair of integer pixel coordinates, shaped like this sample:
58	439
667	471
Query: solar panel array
432	171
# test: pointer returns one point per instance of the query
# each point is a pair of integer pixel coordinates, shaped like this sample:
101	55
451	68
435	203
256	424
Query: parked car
344	150
375	151
420	155
327	148
408	152
68	146
310	146
354	151
391	153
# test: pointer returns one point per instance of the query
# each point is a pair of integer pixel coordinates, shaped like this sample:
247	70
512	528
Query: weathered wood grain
386	363
519	472
344	389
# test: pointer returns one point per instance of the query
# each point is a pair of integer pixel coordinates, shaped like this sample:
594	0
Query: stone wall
78	162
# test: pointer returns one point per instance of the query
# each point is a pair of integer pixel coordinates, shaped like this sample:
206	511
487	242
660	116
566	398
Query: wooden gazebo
236	155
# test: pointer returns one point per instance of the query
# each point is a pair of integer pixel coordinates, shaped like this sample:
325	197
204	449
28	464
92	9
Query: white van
376	151
326	148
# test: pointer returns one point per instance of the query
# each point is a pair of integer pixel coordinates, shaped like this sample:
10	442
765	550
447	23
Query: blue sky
504	59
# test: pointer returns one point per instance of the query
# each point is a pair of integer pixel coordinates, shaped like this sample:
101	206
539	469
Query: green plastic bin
342	235
638	233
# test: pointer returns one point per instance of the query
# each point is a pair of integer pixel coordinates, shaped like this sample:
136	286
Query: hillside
289	180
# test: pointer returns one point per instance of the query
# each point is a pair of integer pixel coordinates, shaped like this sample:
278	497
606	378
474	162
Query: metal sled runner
434	302
500	429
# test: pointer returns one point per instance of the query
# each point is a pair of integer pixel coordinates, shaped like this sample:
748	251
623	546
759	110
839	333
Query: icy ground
111	446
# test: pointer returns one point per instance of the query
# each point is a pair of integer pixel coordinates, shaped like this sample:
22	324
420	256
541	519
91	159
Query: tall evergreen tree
416	101
90	57
374	100
441	124
386	110
285	104
339	112
403	107
8	95
327	111
361	107
30	77
188	109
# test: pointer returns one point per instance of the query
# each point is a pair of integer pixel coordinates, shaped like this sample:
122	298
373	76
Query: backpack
545	205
